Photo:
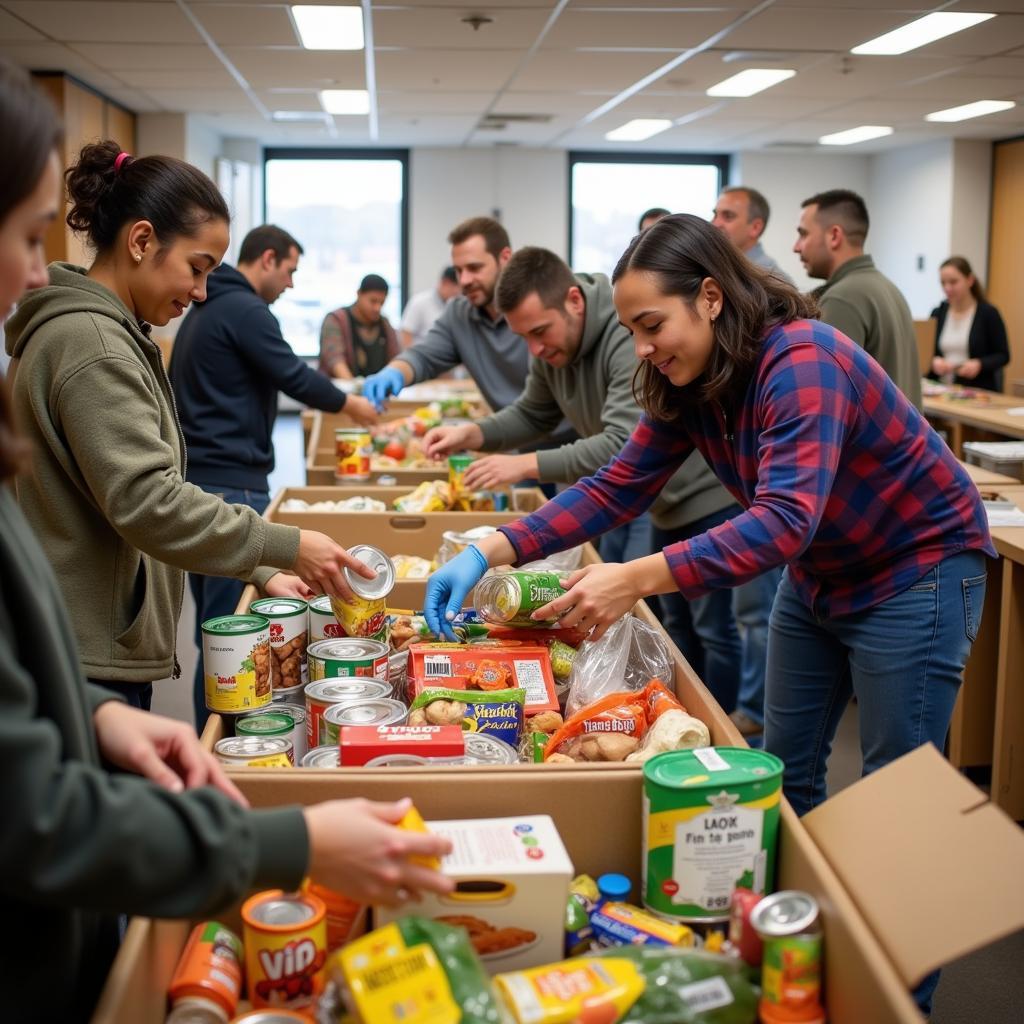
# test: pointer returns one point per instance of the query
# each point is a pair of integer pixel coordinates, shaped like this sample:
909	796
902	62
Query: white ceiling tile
128	57
442	28
299	68
572	71
202	100
89	21
676	30
247	25
215	78
13	29
958	89
997	35
291	100
791	28
566	103
403	103
445	70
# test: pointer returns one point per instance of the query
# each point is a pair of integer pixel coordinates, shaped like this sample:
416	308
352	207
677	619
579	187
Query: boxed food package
485	667
512	880
361	744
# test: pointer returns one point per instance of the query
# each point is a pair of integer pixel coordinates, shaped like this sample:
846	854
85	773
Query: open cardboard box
520	499
911	867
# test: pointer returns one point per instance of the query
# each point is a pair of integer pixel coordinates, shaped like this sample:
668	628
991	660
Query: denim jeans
752	607
137	695
903	658
626	542
217	595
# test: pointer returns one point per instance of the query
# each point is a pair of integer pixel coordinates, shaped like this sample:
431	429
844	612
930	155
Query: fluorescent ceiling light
921	32
345	101
979	109
299	115
329	28
853	135
748	82
637	130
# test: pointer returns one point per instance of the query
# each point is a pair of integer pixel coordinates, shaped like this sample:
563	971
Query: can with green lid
289	722
711	823
236	663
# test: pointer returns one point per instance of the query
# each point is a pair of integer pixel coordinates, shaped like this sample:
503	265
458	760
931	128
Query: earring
138	257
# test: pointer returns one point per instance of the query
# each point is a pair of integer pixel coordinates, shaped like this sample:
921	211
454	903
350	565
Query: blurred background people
358	340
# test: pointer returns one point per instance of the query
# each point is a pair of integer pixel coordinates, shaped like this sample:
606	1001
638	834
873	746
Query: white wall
527	189
787	179
202	145
910	200
971	202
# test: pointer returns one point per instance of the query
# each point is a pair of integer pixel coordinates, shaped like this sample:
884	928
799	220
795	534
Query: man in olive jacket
106	494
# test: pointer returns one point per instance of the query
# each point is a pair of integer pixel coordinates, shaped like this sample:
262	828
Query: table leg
1008	747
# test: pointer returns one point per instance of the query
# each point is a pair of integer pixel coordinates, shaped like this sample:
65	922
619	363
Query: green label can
510	598
457	466
711	822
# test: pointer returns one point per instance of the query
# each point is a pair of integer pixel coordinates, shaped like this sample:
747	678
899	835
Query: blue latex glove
447	589
381	385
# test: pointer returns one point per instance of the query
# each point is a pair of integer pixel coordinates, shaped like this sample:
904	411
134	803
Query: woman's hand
498	470
441	441
360	410
941	366
355	849
598	596
969	370
160	749
286	584
320	564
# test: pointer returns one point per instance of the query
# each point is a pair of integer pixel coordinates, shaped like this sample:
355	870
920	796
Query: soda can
285	948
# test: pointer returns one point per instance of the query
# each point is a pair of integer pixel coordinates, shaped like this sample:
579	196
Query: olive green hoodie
106	494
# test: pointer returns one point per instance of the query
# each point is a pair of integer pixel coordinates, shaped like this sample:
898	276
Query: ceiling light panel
968	110
852	136
328	28
921	32
638	129
751	81
345	101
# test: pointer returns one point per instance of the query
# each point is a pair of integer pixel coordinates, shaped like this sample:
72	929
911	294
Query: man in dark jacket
228	364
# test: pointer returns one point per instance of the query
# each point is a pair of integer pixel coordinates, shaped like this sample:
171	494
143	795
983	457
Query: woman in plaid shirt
842	481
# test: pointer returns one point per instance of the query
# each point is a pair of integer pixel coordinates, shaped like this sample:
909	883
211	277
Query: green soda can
509	598
457	466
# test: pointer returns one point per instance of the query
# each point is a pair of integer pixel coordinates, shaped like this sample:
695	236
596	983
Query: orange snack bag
658	699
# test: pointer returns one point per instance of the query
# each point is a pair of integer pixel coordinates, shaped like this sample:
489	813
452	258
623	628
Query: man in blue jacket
228	364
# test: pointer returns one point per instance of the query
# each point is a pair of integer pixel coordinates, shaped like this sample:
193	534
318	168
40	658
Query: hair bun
89	180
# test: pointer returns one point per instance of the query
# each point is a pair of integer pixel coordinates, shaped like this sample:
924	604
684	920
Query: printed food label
530	677
710	994
711	759
712	852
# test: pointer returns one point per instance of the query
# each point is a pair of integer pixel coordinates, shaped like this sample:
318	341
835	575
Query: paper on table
1017	410
1003	513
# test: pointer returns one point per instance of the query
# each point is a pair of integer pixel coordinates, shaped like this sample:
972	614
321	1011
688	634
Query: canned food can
347	657
742	934
787	923
346	919
711	821
255	751
365	615
510	598
285	948
236	663
289	635
484	749
322	757
288	721
500	501
271	1017
325	693
322	623
293	696
210	969
352	450
379	711
398	665
457	466
196	1011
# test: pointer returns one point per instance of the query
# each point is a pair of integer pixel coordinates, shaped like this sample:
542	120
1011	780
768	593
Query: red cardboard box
452	666
360	744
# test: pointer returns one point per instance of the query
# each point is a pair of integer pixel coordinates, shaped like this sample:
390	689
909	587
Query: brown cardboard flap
934	865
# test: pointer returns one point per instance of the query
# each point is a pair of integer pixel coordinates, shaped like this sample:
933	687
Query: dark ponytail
175	197
960	264
681	251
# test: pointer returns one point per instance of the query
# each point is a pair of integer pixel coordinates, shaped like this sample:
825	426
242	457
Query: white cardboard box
512	880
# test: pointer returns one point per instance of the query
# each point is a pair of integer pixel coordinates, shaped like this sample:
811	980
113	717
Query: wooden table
988	721
990	484
975	419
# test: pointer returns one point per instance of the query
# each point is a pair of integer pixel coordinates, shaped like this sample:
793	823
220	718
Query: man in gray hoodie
582	368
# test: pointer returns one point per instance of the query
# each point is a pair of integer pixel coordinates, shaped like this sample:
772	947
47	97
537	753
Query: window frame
723	161
352	153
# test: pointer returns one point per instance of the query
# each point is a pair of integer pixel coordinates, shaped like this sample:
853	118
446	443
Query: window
348	211
609	191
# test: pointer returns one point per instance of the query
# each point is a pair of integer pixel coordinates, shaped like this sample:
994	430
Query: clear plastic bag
561	561
627	657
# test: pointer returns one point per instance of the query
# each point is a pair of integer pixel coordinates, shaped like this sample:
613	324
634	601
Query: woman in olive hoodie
107	495
79	845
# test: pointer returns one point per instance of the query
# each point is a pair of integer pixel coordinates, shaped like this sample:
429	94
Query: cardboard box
911	867
512	880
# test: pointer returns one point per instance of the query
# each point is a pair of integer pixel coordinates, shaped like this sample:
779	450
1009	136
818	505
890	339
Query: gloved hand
382	385
447	589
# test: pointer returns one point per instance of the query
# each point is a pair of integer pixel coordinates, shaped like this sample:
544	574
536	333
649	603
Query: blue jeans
217	595
626	542
136	695
903	658
752	608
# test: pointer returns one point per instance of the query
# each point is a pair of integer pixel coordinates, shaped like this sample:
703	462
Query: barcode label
706	995
530	677
711	759
438	666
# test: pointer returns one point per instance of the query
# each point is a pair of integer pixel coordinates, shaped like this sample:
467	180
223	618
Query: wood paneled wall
88	117
1005	263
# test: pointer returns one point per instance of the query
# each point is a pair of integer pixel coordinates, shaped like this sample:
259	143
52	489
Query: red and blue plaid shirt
840	477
